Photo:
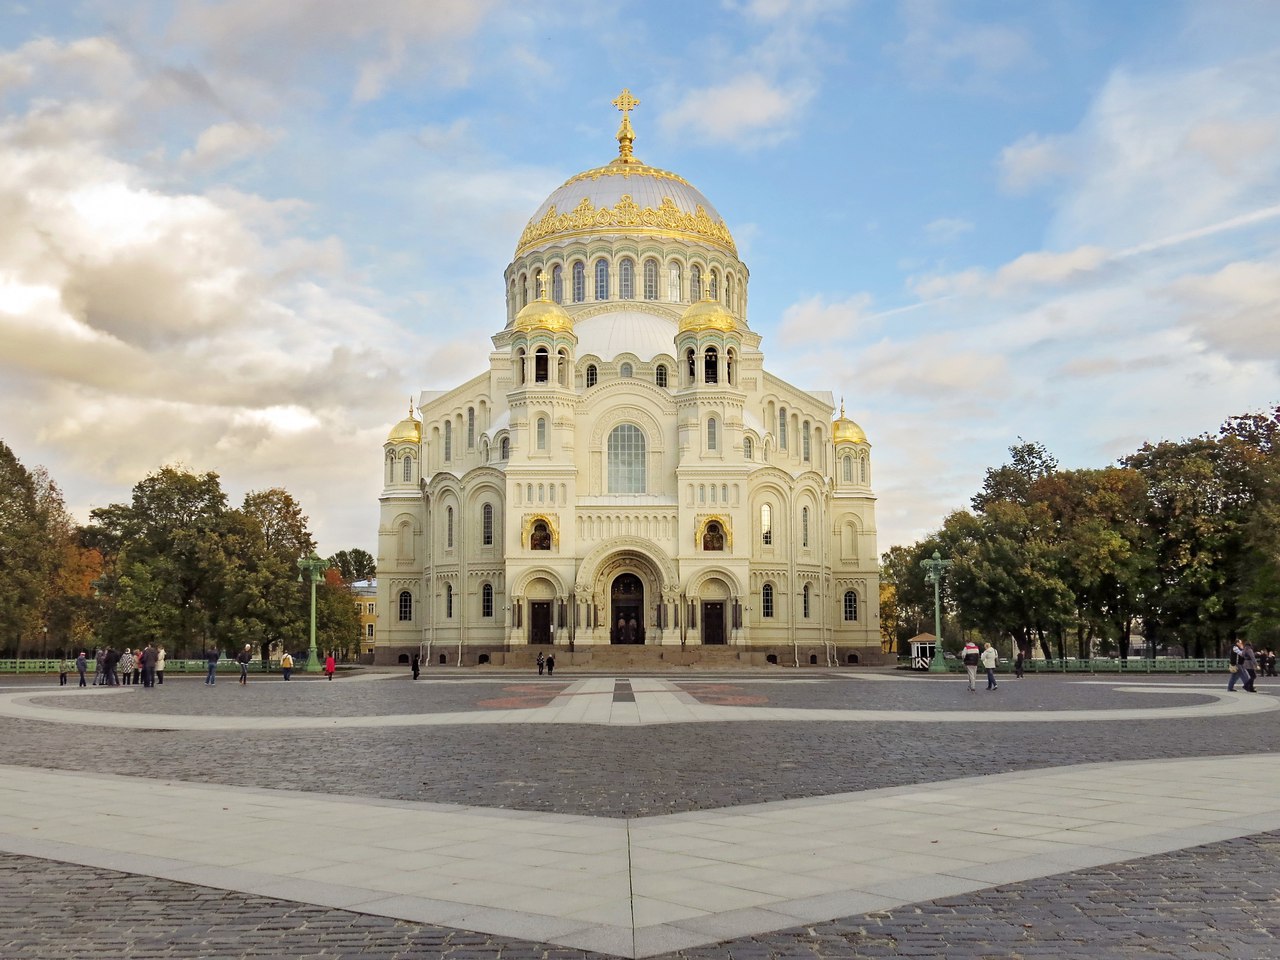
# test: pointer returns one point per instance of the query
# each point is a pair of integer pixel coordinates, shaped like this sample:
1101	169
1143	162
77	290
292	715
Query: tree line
177	564
1178	544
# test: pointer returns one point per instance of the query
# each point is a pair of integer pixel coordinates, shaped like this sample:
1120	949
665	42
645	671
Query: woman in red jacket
329	665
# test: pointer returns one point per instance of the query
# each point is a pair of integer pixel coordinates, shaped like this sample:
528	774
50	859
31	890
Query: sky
239	236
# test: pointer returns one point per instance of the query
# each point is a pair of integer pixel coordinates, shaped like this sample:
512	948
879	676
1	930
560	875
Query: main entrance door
539	621
626	623
713	621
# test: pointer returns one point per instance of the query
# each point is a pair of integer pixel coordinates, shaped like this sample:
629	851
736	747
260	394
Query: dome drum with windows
626	469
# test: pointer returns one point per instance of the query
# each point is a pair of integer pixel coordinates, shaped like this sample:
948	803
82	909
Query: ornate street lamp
933	570
312	570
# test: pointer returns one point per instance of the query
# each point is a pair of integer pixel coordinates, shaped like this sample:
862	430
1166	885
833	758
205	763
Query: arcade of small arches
598	278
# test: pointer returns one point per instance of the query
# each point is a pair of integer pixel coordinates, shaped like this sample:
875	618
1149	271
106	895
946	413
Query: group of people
547	663
116	668
988	658
245	657
1247	665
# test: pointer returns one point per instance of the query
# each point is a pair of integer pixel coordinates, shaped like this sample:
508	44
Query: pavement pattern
1106	821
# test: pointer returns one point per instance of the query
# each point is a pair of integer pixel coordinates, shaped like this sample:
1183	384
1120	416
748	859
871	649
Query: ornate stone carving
626	213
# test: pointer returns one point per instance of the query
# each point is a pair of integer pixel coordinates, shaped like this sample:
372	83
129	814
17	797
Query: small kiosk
924	646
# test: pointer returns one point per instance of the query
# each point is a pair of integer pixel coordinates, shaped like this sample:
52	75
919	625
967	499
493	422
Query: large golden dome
627	197
845	429
543	314
707	314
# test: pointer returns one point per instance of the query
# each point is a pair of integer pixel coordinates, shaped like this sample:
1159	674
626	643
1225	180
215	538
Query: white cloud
225	143
947	229
816	320
1235	310
749	110
938	49
1033	160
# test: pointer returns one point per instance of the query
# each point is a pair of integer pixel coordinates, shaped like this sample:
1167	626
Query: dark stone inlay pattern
622	692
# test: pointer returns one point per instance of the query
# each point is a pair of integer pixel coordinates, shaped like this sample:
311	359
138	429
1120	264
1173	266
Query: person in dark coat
551	664
415	663
82	663
542	662
211	658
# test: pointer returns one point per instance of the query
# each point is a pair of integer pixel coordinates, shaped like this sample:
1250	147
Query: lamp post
311	569
933	570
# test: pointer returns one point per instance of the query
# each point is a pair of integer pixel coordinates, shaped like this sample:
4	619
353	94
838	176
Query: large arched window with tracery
406	606
579	281
850	605
651	279
602	279
695	283
627	279
557	283
486	524
766	601
626	455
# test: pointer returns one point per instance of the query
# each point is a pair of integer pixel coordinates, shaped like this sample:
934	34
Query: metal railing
1108	665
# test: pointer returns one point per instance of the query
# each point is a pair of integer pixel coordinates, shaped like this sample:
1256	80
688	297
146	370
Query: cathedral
626	471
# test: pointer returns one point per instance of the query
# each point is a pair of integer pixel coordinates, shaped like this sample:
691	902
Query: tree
337	620
28	552
354	565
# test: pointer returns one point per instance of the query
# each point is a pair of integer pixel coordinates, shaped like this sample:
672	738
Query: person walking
1271	663
286	664
211	658
330	665
970	658
551	664
989	660
160	666
149	666
1237	670
1248	665
64	667
82	664
244	659
1018	662
137	667
415	663
99	666
542	661
109	664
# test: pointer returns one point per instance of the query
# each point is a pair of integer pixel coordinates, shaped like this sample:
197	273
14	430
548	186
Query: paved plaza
754	814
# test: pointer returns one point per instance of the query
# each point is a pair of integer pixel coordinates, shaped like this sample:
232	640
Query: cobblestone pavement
1219	900
1215	901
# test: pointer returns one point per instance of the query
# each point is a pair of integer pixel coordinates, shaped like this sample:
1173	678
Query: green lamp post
311	569
933	570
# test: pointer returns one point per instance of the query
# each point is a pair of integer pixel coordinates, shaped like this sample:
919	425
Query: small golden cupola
845	430
707	314
543	314
409	429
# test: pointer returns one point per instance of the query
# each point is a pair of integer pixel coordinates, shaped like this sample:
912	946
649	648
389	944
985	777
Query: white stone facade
626	456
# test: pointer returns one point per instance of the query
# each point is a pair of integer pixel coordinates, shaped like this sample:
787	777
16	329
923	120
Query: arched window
602	279
862	464
711	433
804	526
766	601
391	468
448	601
408	469
406	606
541	371
486	600
448	440
627	279
542	433
713	285
782	428
728	291
520	371
651	279
674	284
626	455
850	605
524	289
693	364
625	370
660	375
848	468
713	537
579	281
748	448
471	428
804	442
711	366
448	527
557	283
505	448
695	283
805	601
766	524
486	524
540	536
562	367
538	289
729	357
592	375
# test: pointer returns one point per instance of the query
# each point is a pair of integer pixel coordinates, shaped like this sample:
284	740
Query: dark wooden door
712	621
539	621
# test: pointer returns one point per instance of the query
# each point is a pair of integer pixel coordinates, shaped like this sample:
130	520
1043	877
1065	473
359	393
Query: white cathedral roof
626	331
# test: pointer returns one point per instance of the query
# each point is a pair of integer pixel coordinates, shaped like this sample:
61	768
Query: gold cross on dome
626	102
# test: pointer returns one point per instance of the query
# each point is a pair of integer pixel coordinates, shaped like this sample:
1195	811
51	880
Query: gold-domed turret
845	429
708	314
543	314
407	429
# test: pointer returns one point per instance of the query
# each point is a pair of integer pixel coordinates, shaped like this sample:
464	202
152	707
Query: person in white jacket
989	660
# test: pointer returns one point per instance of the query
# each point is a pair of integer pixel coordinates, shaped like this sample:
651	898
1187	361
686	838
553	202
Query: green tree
28	554
354	565
337	621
